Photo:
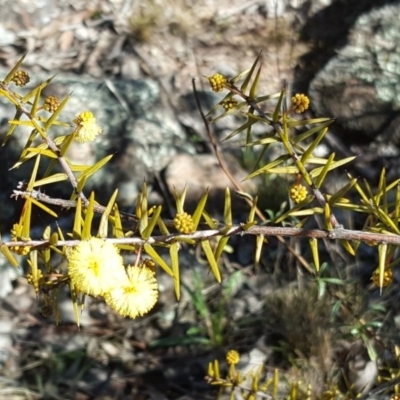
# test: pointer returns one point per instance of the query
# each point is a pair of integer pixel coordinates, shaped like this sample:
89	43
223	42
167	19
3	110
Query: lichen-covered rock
360	87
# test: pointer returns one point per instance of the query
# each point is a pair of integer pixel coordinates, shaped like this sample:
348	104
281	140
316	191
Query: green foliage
213	314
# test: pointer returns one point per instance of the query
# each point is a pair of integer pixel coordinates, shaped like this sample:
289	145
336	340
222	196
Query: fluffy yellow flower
95	266
87	129
137	296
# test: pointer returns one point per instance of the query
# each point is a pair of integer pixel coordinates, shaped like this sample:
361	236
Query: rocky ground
132	64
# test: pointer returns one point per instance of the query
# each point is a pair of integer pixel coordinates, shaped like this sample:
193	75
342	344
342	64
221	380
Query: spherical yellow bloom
184	223
95	266
300	103
87	129
137	295
217	82
232	357
51	103
229	104
21	78
298	193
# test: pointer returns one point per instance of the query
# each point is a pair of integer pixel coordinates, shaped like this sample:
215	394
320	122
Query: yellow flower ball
300	103
229	104
298	193
21	78
217	82
137	295
95	266
184	223
51	103
86	127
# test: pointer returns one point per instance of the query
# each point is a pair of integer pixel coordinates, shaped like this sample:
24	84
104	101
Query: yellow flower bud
21	78
217	82
184	223
51	103
229	104
298	193
300	103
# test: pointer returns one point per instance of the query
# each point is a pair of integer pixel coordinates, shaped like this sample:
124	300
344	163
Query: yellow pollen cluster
184	223
298	193
300	103
51	103
387	277
21	78
232	357
86	127
217	82
229	104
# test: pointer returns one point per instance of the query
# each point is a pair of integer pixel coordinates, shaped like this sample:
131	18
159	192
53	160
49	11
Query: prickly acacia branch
334	234
250	201
278	128
50	143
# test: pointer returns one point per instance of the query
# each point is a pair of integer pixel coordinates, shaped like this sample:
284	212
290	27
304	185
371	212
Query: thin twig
273	231
62	203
